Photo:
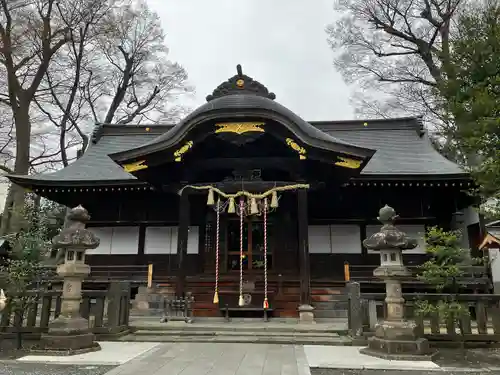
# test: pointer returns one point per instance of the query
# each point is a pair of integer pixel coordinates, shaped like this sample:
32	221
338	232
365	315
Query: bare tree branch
397	47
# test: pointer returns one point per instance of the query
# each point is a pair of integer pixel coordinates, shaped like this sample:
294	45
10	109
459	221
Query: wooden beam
182	239
282	163
303	239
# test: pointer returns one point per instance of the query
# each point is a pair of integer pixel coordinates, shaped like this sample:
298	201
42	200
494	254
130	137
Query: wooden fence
107	311
480	324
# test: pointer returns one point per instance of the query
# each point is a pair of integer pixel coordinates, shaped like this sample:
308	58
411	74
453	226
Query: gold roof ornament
180	152
135	166
239	127
348	163
295	146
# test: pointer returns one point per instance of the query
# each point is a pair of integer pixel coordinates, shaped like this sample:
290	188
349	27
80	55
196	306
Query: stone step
239	333
156	326
331	341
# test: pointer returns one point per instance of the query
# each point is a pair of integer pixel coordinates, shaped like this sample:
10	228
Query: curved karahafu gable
243	105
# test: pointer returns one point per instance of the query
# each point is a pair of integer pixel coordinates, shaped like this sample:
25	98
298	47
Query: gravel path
317	371
50	369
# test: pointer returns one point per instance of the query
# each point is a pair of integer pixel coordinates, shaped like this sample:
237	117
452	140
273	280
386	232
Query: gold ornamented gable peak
239	127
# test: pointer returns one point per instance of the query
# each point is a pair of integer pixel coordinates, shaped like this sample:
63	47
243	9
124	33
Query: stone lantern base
69	336
306	314
397	341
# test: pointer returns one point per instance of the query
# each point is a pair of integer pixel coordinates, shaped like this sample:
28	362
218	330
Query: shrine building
244	196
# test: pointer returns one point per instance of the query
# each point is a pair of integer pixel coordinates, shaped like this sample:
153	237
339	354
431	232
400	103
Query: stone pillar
395	338
70	332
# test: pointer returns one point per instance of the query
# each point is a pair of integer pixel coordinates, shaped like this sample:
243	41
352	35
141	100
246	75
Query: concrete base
65	352
306	314
74	343
69	334
141	301
397	340
399	350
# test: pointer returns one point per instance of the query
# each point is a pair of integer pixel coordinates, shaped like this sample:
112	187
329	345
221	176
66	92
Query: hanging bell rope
266	302
217	236
240	300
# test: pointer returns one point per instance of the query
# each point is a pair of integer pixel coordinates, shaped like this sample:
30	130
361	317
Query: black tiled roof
403	149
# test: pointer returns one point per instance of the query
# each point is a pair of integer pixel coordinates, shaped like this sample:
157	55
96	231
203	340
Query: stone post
70	332
395	338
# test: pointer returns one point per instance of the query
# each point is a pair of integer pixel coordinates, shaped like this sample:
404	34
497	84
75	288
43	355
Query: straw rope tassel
217	232
240	301
266	302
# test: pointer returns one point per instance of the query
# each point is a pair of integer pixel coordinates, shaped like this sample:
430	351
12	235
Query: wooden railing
481	323
473	277
106	310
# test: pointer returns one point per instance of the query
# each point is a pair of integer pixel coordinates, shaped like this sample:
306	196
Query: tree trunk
7	211
21	167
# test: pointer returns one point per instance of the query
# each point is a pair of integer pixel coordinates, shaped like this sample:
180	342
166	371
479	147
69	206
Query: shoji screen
346	239
193	245
105	235
125	240
116	240
319	239
158	240
163	240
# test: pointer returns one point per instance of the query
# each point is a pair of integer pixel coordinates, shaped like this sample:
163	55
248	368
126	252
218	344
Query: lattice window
209	237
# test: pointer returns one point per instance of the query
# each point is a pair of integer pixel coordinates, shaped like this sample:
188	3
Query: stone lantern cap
74	235
389	237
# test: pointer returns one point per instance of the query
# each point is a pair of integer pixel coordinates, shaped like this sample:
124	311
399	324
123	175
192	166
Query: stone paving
130	358
218	359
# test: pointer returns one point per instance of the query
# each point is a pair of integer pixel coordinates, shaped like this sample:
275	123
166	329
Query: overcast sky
280	43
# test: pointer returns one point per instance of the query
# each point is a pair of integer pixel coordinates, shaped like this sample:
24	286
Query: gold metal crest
239	127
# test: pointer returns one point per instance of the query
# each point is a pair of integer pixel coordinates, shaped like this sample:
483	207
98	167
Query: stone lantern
70	332
395	337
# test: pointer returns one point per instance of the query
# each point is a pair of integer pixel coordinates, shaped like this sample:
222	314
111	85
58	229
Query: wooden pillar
303	240
182	239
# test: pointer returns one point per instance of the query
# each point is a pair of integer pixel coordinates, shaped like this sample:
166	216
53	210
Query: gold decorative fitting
240	83
239	127
135	166
180	152
299	149
348	163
